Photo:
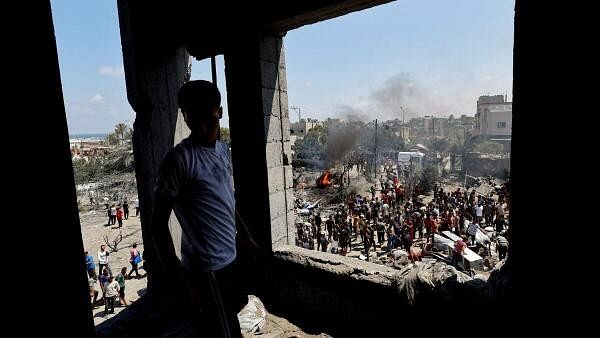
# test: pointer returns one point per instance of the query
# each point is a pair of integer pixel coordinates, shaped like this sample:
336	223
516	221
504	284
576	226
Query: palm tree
225	135
463	144
111	139
129	134
439	144
120	130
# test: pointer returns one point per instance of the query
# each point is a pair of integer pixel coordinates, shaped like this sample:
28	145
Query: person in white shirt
103	260
386	209
472	231
113	214
136	205
479	212
91	196
112	289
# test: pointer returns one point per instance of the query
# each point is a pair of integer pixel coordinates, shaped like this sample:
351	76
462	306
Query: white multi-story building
494	118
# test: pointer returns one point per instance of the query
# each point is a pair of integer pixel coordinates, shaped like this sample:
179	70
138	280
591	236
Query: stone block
274	154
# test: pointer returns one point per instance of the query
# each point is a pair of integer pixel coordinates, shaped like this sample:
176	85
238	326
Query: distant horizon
104	134
88	135
293	120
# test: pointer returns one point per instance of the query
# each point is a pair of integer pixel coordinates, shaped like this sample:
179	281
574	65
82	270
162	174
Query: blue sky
427	56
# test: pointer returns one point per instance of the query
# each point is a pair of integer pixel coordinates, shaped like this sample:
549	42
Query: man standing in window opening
195	180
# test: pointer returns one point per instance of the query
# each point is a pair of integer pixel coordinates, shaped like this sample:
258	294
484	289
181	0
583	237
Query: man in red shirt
459	249
120	216
431	225
400	195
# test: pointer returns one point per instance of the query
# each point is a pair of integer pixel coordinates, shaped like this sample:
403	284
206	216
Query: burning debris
324	180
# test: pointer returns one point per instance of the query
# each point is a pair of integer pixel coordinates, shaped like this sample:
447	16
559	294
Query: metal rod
213	68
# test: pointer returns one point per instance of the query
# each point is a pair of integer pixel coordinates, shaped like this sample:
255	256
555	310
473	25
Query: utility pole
298	110
402	108
375	172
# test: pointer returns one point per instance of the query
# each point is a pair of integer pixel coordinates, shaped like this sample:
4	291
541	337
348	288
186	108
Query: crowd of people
387	219
111	286
119	212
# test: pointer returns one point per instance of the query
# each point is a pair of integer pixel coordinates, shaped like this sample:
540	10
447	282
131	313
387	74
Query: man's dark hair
199	96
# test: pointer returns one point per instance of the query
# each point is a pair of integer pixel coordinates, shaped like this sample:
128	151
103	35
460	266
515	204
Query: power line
298	110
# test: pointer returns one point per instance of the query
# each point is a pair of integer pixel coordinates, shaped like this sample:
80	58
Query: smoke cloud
340	142
399	95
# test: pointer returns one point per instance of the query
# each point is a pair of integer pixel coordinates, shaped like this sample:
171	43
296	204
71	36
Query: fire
324	180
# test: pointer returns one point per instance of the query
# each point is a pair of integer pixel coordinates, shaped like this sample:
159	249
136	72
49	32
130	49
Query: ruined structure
157	43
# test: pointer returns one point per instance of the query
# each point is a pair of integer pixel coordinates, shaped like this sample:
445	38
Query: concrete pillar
260	137
48	227
154	71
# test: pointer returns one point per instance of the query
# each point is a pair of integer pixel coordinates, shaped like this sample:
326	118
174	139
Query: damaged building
322	292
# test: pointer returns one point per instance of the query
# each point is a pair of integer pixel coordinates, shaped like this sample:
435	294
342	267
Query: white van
408	158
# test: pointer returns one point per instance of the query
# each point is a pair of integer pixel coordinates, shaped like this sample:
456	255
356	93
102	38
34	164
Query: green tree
120	130
463	144
429	178
488	147
111	139
439	144
87	170
389	140
226	136
129	134
312	145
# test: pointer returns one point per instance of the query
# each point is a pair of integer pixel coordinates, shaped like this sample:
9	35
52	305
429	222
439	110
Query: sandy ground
93	231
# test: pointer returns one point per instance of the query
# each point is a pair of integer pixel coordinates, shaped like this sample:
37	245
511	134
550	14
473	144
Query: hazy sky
428	56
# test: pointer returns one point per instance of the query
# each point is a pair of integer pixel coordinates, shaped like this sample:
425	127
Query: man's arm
163	242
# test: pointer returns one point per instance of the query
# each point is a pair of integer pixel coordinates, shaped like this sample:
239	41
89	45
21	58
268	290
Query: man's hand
193	297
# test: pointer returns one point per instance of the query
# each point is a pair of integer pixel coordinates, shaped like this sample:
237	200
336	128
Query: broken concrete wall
481	166
345	297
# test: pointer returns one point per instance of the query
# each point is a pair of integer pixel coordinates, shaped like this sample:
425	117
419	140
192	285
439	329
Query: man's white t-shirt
479	211
102	257
201	181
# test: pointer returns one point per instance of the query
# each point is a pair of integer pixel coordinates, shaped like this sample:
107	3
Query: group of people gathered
119	212
112	287
388	220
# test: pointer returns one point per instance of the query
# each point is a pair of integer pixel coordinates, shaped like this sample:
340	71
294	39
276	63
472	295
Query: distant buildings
458	128
87	147
334	124
494	118
492	122
399	129
299	129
